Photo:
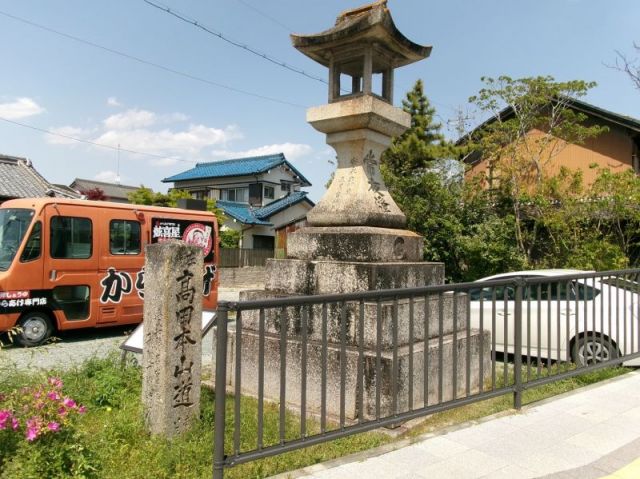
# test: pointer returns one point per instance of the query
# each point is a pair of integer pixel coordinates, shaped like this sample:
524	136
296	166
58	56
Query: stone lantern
355	242
361	51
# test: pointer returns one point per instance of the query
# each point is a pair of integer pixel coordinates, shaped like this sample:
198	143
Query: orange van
69	264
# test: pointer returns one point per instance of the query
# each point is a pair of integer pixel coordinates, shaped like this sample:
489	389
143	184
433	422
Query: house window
237	195
199	195
269	192
285	187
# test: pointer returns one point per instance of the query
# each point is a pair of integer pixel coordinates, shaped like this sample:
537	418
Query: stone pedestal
381	258
172	353
426	373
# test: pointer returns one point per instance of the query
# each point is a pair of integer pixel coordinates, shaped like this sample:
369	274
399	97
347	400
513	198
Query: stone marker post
172	352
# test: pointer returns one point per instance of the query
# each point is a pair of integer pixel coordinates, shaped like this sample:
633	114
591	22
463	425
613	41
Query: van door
121	262
71	264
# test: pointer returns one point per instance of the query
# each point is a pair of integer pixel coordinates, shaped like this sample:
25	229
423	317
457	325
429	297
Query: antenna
118	166
460	122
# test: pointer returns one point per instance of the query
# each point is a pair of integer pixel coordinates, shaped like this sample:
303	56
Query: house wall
272	177
286	216
613	150
296	211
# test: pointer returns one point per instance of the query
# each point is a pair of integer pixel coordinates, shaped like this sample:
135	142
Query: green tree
423	144
409	168
531	123
229	238
146	196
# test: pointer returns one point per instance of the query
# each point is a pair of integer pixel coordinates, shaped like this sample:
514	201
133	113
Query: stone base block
313	316
433	371
355	243
326	277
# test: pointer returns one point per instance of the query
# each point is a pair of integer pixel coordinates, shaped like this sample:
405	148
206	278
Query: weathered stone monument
172	353
356	242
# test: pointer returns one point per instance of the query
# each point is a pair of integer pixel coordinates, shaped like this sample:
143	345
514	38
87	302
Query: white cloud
66	131
292	151
148	132
174	118
130	119
107	176
166	141
21	108
113	101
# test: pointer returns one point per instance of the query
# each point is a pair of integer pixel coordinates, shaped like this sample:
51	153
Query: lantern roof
359	27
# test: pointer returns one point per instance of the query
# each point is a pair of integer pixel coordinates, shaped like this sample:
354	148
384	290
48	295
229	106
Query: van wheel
592	349
35	328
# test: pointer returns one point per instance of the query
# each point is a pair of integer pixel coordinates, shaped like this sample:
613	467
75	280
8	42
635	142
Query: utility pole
460	122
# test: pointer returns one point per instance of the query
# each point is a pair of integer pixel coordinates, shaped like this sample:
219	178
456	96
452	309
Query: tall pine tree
422	144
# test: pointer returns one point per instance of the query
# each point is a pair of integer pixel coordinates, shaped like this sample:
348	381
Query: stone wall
247	277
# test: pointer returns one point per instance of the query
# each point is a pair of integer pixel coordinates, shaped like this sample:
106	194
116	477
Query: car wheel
592	349
35	328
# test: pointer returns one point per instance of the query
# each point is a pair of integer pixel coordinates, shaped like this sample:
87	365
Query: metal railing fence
329	366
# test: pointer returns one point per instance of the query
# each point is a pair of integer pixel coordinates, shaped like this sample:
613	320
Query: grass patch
110	440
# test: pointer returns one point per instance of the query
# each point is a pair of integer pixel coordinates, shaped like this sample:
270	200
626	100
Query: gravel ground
75	347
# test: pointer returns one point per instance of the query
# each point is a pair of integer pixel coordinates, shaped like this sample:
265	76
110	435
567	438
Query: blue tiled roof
241	212
279	205
236	167
258	216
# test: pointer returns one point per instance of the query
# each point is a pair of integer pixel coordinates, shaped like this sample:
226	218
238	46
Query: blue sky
53	83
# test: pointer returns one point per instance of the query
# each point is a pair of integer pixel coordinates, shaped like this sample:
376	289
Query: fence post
517	347
221	383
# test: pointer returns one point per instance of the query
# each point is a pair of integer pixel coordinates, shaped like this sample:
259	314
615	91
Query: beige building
617	149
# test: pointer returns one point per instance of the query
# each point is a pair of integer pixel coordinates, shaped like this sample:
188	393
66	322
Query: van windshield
14	223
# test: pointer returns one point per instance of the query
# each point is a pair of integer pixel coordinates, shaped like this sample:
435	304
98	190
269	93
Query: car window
487	293
124	237
558	292
547	292
584	291
71	237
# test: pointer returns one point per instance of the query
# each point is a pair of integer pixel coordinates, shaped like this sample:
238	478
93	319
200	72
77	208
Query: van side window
124	237
33	245
71	237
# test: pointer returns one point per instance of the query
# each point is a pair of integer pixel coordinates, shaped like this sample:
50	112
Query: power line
218	34
101	145
148	62
260	12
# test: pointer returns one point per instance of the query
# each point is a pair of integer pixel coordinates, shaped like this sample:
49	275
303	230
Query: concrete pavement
590	433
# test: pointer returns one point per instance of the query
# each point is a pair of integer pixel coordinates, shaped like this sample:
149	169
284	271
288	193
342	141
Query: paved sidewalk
589	434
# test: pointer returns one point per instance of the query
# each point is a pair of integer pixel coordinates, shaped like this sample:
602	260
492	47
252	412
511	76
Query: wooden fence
239	257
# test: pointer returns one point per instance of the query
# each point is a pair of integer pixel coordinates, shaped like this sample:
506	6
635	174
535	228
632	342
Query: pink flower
53	426
32	429
82	409
53	395
62	411
5	415
14	423
56	382
32	434
70	403
39	405
37	395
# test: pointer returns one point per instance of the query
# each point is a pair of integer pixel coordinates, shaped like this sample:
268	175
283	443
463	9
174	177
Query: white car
586	320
